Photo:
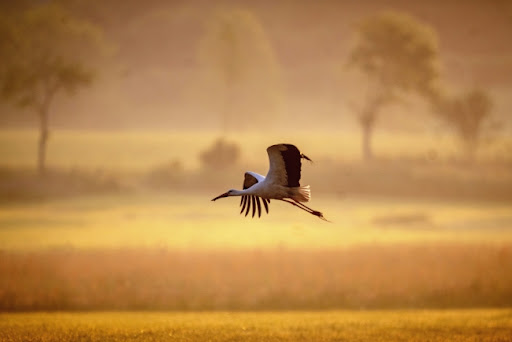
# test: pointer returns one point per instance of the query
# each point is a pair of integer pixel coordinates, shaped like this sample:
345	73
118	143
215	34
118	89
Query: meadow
184	252
160	261
379	326
136	151
191	221
362	277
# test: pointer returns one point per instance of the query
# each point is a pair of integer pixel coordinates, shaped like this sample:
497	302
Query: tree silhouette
243	70
394	54
220	155
45	51
467	114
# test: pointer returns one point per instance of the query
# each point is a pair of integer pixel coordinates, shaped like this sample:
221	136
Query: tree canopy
467	115
243	70
398	52
45	50
49	50
394	54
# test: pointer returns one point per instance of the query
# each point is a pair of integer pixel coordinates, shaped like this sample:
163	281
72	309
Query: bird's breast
271	191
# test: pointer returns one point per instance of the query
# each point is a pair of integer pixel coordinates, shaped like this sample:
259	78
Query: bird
281	183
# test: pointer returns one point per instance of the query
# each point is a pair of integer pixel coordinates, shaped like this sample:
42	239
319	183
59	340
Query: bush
220	155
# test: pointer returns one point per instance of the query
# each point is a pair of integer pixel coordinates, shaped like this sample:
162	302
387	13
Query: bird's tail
303	194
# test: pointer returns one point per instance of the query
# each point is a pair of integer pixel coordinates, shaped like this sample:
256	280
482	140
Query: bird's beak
220	196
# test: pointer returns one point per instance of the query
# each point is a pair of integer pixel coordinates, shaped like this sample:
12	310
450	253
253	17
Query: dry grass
400	276
379	326
181	221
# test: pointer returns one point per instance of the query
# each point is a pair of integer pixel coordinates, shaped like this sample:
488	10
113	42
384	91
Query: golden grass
378	326
183	220
393	276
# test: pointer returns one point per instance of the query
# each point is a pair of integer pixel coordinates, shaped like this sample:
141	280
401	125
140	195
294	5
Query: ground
177	250
378	326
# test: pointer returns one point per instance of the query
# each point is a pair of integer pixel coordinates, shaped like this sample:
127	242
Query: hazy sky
155	78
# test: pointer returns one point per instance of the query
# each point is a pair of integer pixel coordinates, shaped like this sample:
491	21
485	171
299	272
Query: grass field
183	220
362	277
138	151
353	326
182	251
177	250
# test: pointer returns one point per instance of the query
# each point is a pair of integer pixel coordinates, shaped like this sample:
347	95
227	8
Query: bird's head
231	192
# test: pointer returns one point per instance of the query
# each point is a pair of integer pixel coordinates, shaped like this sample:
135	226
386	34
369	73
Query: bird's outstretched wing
285	165
249	180
246	201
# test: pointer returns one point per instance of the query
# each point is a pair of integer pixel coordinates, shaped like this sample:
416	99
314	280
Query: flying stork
281	183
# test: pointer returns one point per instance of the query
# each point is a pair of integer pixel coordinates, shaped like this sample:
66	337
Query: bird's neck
239	192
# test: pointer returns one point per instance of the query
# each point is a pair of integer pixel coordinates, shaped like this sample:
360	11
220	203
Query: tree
46	51
395	55
467	114
243	70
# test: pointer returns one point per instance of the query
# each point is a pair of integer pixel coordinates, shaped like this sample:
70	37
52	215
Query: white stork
281	183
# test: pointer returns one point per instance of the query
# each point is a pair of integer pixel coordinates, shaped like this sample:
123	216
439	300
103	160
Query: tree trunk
43	139
367	142
226	109
367	120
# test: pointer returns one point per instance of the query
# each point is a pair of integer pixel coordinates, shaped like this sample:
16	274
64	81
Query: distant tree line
46	51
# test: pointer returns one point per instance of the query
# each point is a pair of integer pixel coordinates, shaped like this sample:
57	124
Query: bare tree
46	52
394	54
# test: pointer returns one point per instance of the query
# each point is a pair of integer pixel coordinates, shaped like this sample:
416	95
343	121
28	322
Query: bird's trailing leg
307	209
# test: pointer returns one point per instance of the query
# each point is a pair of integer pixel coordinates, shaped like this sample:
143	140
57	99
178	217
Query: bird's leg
307	209
298	206
314	212
305	206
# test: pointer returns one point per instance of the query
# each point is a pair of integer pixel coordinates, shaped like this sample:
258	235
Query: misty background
120	120
155	78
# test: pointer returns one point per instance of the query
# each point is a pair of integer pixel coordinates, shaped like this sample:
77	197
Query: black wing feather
292	163
244	203
248	205
250	200
253	205
265	204
259	206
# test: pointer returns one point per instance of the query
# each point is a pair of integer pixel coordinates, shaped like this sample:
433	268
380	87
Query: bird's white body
270	190
281	182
